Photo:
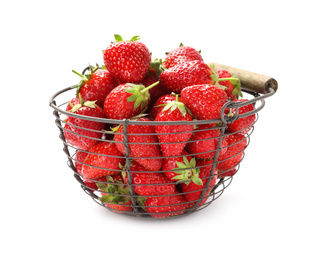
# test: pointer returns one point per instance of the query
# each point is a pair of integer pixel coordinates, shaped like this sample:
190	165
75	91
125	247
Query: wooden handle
249	80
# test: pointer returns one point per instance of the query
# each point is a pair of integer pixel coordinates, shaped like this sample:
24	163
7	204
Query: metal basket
256	89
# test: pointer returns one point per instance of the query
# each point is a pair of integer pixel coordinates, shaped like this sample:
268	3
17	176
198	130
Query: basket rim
223	119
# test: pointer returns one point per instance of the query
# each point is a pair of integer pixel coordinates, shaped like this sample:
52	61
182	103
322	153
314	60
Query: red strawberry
74	132
157	107
146	144
141	180
242	125
115	194
203	143
128	61
204	101
236	144
95	85
171	164
192	191
80	157
232	87
187	74
181	54
165	206
173	144
228	173
127	101
103	159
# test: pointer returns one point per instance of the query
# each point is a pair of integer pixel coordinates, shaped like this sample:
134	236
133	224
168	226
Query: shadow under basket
140	198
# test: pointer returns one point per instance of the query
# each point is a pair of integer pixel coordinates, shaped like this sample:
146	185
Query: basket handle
251	81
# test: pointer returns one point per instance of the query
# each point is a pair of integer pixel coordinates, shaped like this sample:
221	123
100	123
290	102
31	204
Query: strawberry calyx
215	76
187	172
173	105
157	65
115	193
119	38
82	103
234	80
140	94
85	77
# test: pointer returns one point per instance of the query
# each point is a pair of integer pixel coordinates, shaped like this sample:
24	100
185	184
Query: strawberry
242	125
95	85
165	206
236	144
103	159
171	164
232	87
204	101
228	173
181	54
193	190
83	133
173	144
146	144
203	143
115	195
148	183
127	100
80	157
128	60
187	74
157	107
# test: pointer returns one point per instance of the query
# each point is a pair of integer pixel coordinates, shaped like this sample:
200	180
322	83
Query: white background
276	206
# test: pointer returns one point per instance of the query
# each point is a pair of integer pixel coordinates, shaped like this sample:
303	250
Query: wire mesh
121	185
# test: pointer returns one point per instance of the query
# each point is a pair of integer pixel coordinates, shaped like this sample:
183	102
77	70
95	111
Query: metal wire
208	192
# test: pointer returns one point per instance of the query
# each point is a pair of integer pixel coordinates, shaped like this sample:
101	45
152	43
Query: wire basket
167	199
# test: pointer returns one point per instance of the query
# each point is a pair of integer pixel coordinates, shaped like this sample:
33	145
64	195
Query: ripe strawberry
128	60
203	143
95	85
141	180
228	173
187	74
232	87
157	107
165	206
173	144
236	144
77	131
204	101
143	144
242	125
127	101
103	159
115	194
192	191
80	157
181	54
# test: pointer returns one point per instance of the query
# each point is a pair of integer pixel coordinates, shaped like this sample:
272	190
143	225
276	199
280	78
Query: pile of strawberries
170	164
